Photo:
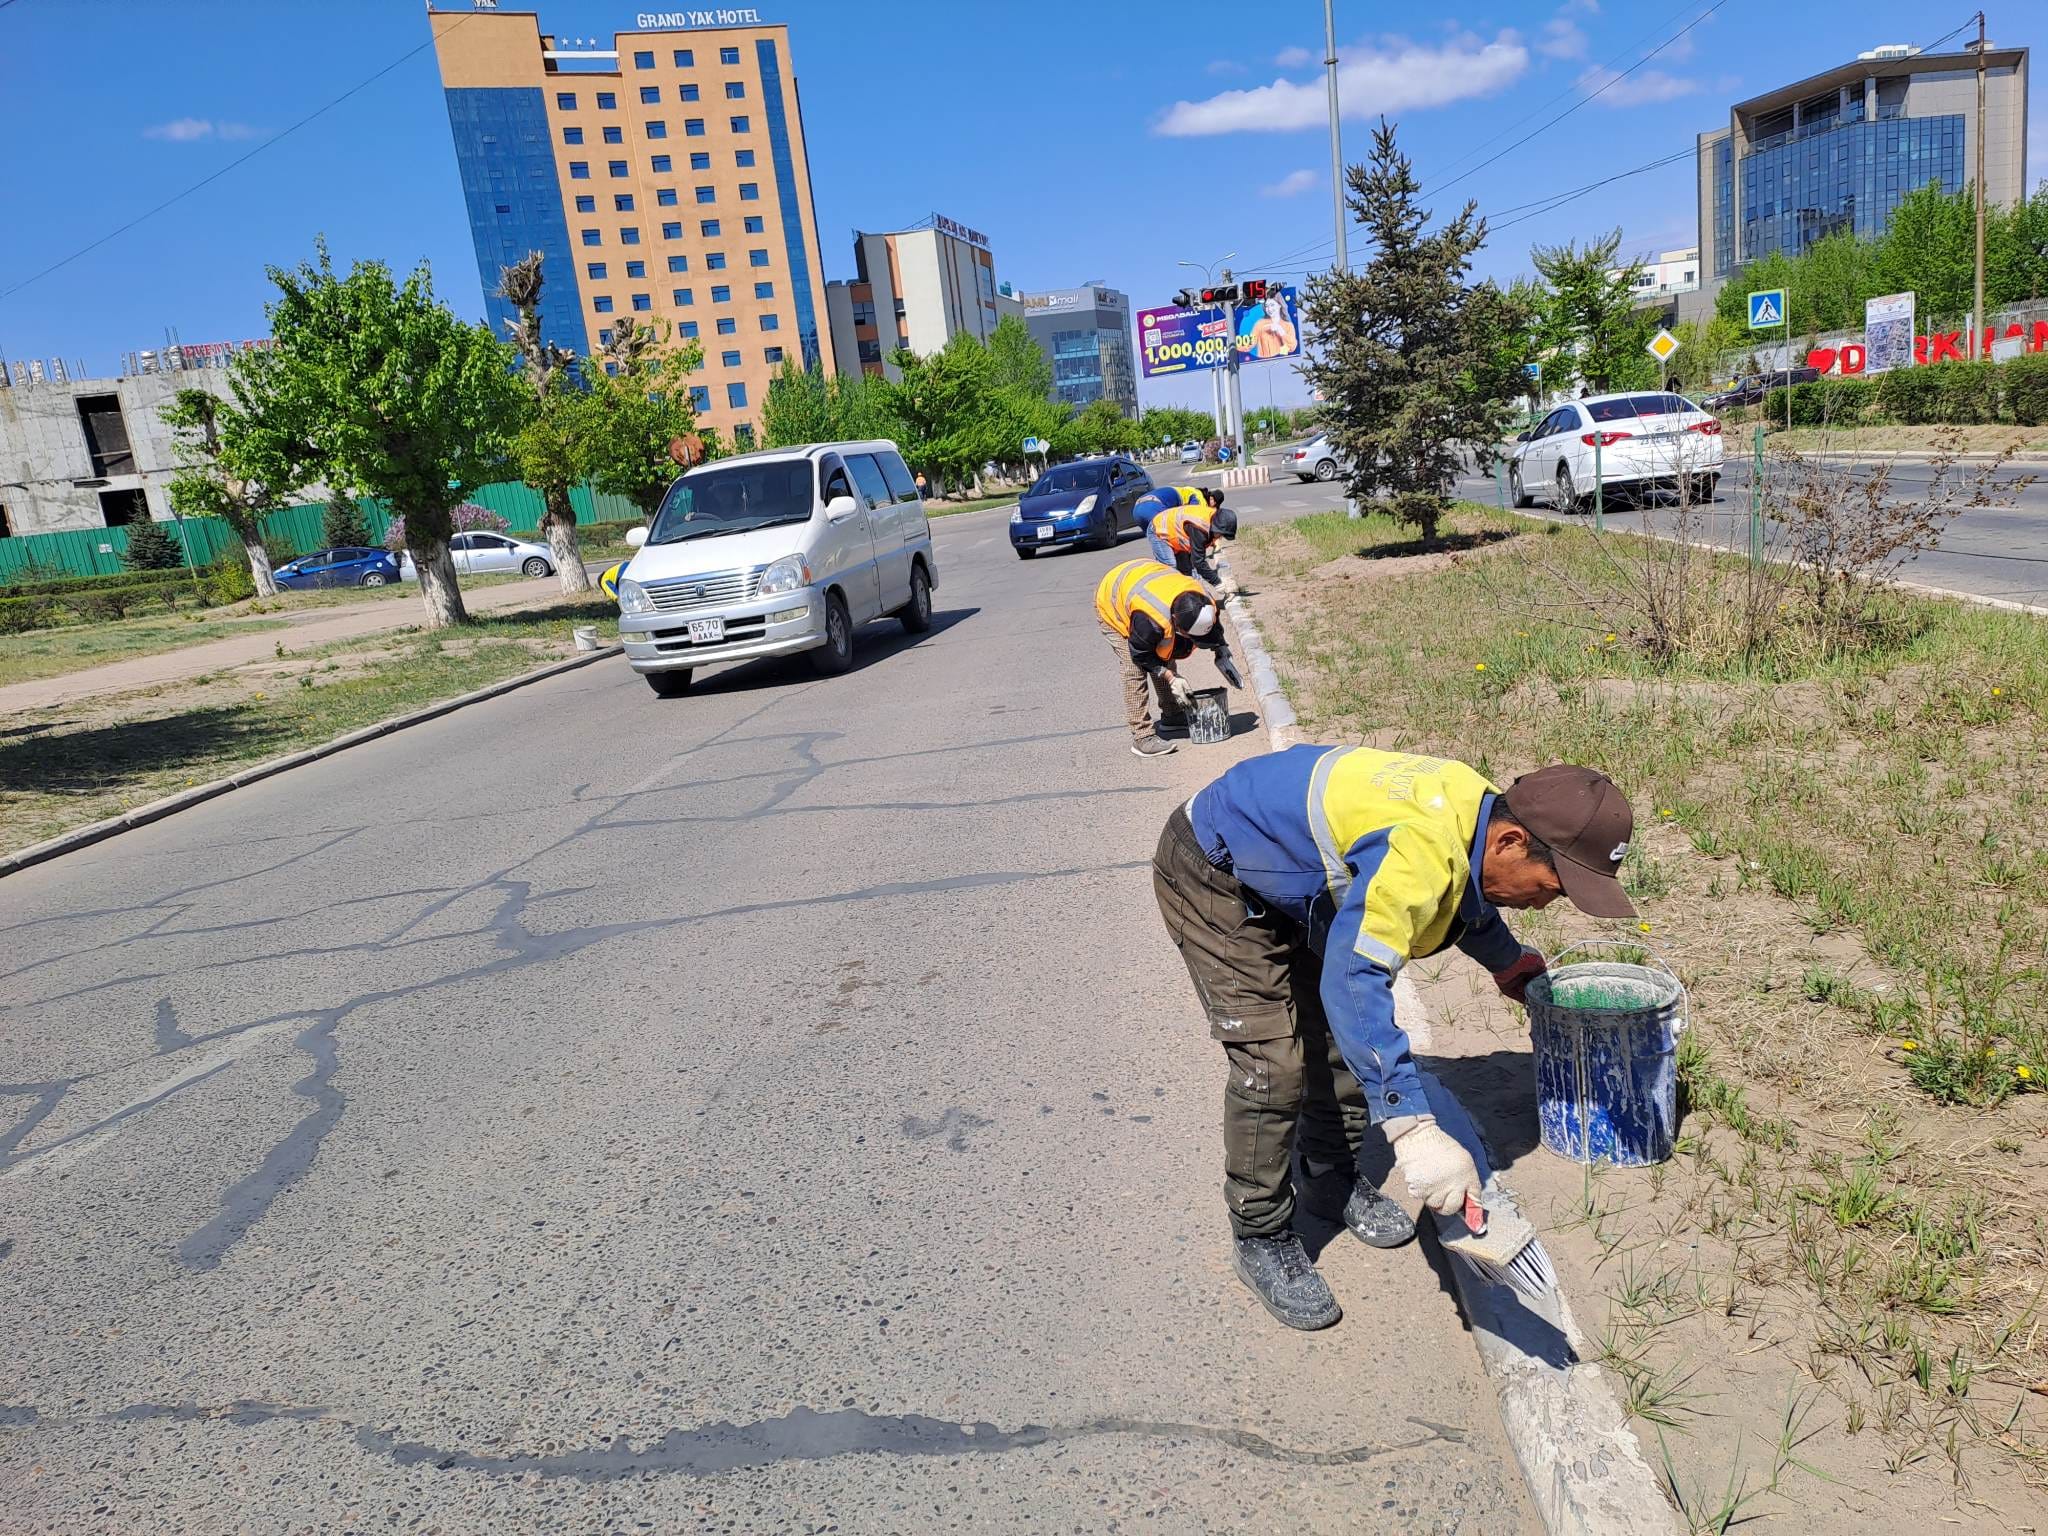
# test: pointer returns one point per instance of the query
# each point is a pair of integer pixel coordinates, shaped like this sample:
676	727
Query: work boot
1149	745
1175	724
1373	1219
1280	1274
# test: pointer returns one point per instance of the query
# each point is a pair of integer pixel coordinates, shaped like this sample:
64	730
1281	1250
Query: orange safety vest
1172	525
1144	586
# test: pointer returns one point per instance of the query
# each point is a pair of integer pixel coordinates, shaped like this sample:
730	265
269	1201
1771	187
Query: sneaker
1373	1219
1277	1270
1151	746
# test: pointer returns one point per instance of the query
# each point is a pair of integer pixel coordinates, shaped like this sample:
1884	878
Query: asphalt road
777	1109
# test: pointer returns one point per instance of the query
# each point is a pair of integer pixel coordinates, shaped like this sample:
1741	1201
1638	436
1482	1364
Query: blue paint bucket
1605	1037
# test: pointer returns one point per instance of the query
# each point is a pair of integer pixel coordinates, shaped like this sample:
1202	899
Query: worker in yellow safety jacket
1296	887
1183	537
1154	617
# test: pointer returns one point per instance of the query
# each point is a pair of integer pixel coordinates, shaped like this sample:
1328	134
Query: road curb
1584	1470
170	805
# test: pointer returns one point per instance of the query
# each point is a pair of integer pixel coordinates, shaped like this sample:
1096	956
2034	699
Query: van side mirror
635	537
840	508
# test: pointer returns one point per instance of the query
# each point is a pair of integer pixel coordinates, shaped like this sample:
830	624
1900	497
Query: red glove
1514	981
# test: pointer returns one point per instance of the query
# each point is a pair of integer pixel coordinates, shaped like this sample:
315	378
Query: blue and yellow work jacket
1377	856
1159	498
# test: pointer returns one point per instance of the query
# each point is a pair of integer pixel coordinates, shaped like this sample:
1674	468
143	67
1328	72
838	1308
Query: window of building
736	396
754	224
120	509
602	304
595	269
618	168
675	263
662	165
672	230
764	290
592	237
604	336
629	237
607	102
727	326
657	130
689	93
579	170
572	135
585	203
700	160
729	359
750	192
771	355
565	101
728	55
707	194
643	60
687	330
643	301
757	258
735	90
715	260
650	95
636	269
622	202
771	322
614	134
700	397
665	197
686	59
684	296
744	159
693	127
739	125
708	228
106	435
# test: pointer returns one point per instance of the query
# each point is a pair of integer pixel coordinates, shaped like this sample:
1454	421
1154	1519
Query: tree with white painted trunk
395	396
231	465
548	447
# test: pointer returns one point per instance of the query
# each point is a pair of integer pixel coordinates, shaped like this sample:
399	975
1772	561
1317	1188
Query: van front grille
714	589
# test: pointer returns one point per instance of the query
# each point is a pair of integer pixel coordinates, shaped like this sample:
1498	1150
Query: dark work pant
1257	979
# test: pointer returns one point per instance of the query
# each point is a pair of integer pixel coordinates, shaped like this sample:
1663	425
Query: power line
239	160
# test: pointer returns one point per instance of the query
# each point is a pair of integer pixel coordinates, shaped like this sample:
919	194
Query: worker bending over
1296	886
1154	617
1183	536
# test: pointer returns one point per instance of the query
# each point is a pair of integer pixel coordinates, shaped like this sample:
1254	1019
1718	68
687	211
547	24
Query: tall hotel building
663	177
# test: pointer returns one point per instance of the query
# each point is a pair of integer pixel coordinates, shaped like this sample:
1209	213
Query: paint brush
1493	1242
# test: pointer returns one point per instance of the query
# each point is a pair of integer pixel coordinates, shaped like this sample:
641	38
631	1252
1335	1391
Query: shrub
1830	402
343	522
24	586
2025	383
1910	395
1965	393
18	615
227	579
151	548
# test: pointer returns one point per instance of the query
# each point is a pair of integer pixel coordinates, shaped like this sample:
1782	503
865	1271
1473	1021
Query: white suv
1645	440
769	553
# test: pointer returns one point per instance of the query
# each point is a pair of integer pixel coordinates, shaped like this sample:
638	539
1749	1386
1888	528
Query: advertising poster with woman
1270	328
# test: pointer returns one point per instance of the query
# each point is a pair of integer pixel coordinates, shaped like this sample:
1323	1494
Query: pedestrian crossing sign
1767	309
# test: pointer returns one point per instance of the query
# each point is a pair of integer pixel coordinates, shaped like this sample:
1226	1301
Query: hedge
60	584
1939	394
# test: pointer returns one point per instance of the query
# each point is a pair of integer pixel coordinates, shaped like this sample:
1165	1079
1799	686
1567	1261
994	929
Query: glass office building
1839	151
1086	332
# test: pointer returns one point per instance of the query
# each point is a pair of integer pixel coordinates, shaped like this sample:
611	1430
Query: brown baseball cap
1587	821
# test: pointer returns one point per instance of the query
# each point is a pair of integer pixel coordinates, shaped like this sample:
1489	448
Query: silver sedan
482	554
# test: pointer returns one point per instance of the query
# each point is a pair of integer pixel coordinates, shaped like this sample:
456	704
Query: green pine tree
343	525
151	548
1404	352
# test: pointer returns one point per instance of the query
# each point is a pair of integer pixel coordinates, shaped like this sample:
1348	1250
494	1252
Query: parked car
341	567
1751	388
1645	441
1089	501
1315	460
775	552
484	554
1191	453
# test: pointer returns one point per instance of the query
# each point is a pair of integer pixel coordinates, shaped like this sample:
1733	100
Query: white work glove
1182	694
1440	1173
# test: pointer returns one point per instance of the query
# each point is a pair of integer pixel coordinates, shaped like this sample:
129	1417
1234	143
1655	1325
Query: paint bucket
1605	1038
1209	723
585	636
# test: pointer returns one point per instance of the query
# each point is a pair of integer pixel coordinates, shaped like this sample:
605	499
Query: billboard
1888	332
1174	340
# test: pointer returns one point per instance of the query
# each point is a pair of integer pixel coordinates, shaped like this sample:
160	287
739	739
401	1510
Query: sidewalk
306	632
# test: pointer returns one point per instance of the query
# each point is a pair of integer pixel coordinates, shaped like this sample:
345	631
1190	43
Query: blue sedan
1089	501
326	568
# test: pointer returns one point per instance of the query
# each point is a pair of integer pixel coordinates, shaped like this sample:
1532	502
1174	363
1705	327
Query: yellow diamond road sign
1662	345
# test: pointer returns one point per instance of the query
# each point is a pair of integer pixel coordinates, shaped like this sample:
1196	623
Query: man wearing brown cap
1296	887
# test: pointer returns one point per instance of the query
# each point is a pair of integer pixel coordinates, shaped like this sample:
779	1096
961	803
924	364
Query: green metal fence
98	551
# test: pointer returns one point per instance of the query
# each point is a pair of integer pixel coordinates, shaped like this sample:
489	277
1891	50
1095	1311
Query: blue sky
1088	141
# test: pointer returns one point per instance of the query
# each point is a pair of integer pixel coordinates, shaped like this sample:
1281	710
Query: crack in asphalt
802	1434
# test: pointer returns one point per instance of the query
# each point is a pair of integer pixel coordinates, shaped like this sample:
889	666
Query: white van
769	553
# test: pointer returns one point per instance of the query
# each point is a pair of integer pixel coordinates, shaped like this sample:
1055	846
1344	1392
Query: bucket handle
1684	998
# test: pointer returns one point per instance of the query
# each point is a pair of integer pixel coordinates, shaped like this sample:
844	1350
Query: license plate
706	631
1045	530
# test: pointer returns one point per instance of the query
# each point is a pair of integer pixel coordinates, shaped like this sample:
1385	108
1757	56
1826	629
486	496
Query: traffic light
1220	295
1186	299
1254	292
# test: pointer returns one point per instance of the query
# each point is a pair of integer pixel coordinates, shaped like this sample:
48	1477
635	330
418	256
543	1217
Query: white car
1315	460
1191	453
1646	440
770	553
482	554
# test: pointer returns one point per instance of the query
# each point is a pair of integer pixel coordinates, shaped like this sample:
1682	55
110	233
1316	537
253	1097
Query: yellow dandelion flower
1664	813
1909	1045
1607	640
1521	634
1644	926
1478	666
1996	692
2024	1074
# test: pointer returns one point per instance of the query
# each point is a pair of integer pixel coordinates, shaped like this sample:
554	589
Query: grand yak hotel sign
664	21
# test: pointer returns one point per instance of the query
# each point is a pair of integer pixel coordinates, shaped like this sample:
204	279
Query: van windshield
709	502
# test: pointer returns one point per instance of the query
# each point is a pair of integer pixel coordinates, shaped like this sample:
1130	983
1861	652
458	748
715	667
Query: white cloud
1294	58
189	130
1370	80
1225	67
1644	87
1561	39
1291	185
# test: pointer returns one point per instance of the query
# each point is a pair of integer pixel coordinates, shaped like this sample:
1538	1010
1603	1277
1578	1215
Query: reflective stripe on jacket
1377	856
1147	587
1173	524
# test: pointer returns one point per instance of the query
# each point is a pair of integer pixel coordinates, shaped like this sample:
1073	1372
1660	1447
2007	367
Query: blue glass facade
515	203
792	211
1799	188
1724	205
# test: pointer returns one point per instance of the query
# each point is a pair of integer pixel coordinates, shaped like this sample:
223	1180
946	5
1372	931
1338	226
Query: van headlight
789	574
633	598
1087	505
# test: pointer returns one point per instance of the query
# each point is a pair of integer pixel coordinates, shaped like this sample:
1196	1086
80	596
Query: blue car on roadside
1089	501
348	567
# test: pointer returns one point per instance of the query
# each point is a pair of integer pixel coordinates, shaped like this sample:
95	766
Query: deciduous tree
546	448
238	459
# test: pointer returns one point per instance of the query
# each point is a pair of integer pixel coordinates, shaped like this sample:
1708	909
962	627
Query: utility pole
1337	141
1977	314
1236	397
